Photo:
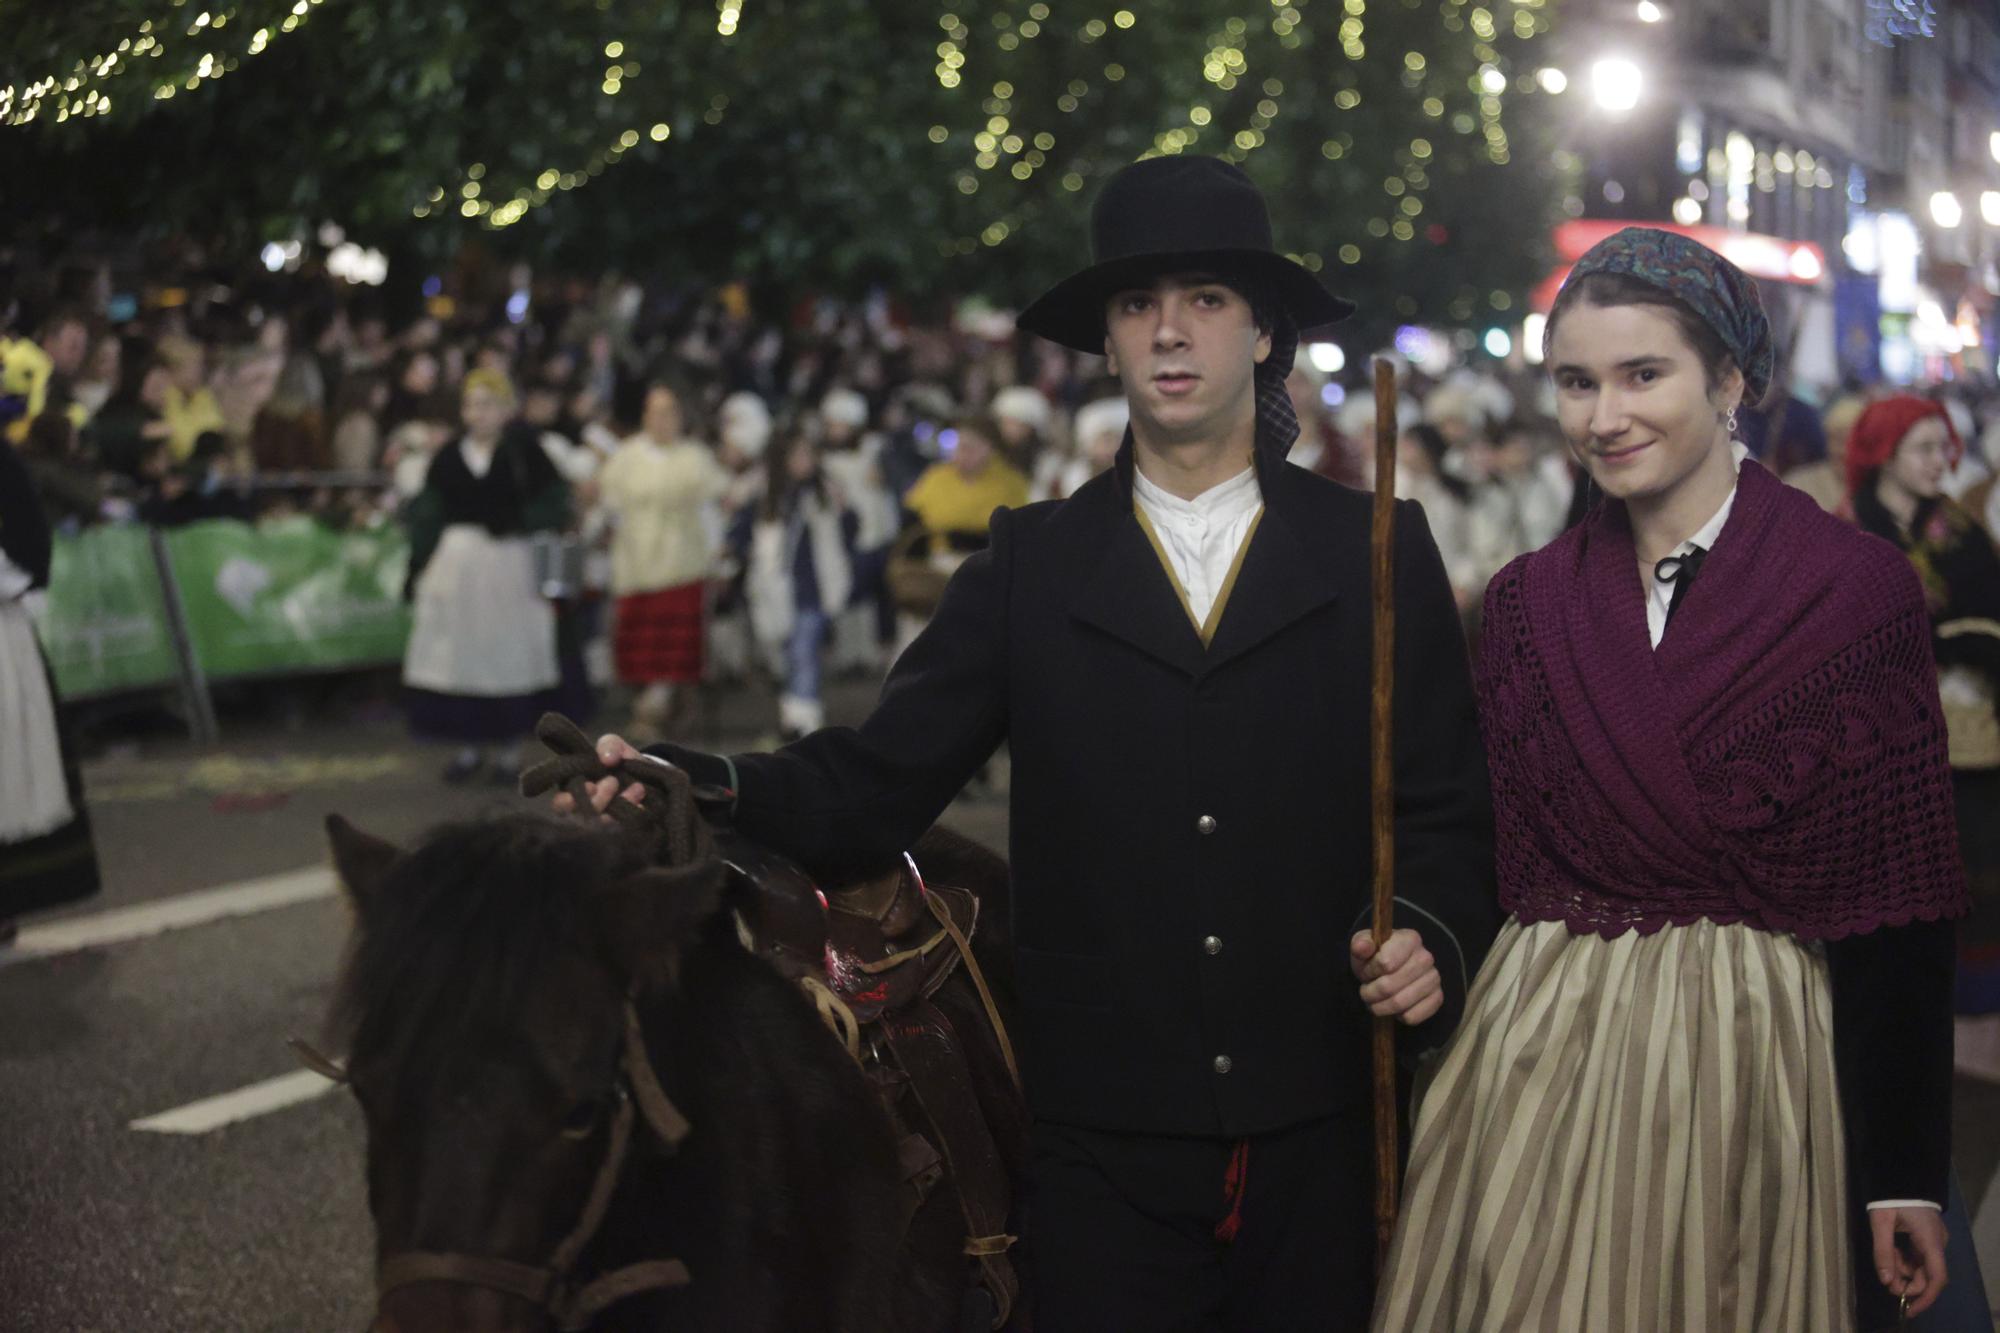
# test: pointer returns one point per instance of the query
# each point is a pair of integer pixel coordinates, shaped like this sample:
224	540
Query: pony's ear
647	921
361	861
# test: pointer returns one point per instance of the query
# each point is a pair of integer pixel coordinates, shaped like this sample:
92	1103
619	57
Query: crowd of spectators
744	487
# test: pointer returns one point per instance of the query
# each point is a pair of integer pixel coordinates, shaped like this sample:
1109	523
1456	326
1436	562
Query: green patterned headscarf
1720	294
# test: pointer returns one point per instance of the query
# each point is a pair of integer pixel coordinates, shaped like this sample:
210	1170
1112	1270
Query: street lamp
1649	12
1327	358
1993	143
1989	207
1615	84
1553	81
1945	210
1532	329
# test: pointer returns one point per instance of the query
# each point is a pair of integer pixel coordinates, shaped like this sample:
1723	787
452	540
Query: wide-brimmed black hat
1167	214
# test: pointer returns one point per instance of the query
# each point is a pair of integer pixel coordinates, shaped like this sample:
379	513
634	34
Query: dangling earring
1730	421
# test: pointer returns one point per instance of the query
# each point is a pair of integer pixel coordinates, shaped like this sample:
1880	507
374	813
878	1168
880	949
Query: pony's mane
462	924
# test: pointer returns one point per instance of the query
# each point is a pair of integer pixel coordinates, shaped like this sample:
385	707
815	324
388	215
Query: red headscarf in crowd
1882	427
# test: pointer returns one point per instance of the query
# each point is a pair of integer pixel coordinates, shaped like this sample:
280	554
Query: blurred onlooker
99	377
132	425
204	485
1783	432
482	647
955	498
1520	493
1097	431
416	392
1423	474
47	855
850	455
1463	409
35	370
357	414
1897	457
1021	414
1320	448
655	489
288	432
72	491
65	336
1826	480
797	547
188	405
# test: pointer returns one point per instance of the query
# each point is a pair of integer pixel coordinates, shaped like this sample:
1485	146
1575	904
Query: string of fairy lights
184	51
165	57
471	198
1002	145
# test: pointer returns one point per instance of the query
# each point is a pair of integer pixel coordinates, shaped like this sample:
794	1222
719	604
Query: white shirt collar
1217	504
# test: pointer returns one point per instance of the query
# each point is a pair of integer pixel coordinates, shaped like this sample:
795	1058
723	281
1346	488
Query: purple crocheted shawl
1779	760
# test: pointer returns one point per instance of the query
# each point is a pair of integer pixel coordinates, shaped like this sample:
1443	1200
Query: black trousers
1142	1234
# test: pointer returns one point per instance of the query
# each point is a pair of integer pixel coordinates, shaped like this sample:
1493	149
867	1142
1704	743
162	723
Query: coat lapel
1129	596
1280	583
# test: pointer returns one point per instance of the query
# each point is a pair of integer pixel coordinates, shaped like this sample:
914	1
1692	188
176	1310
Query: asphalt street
262	1224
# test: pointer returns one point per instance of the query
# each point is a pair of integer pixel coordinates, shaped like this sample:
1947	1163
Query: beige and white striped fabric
1640	1133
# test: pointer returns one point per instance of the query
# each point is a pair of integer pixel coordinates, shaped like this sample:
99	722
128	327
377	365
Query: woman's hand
1922	1277
611	751
1401	981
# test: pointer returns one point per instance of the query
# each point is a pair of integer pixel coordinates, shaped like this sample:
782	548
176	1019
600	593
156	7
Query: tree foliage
942	145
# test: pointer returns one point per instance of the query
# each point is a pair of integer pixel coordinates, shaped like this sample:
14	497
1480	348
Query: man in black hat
1179	658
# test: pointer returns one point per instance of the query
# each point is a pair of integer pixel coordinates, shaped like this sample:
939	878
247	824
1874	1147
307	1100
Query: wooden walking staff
1382	731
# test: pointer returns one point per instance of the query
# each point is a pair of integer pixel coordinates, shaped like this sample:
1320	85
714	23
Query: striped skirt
1632	1133
659	635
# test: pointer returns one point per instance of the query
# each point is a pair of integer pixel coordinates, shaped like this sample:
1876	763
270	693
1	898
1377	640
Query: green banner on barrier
104	626
291	595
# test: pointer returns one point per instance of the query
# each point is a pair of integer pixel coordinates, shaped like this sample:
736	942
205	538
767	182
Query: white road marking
177	913
212	1113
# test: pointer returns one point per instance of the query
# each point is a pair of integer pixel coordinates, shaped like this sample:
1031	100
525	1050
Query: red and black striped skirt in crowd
659	635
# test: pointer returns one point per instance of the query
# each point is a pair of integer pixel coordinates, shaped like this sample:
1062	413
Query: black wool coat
1189	833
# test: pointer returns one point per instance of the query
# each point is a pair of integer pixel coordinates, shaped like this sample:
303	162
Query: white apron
480	627
33	797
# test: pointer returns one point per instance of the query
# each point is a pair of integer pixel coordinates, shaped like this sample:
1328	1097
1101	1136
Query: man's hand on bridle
611	751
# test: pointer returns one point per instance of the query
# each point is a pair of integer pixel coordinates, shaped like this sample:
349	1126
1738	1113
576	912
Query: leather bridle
552	1286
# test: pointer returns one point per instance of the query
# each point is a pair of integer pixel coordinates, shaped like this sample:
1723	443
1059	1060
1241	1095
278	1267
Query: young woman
797	549
1896	462
1712	1042
482	637
656	489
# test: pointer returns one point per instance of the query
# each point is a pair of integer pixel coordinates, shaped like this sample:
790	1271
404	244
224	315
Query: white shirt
1660	596
1201	536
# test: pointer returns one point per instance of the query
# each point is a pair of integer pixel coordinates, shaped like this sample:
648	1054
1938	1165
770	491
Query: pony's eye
582	1120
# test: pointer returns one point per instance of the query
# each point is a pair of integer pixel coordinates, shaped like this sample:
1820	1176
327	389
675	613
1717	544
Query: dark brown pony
720	1164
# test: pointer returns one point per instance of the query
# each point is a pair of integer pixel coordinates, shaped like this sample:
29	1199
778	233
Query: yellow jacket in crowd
946	500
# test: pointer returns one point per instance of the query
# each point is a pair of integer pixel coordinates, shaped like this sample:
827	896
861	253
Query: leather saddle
885	947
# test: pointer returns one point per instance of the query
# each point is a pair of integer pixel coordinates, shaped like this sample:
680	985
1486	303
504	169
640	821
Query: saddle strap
653	1275
932	1052
834	1012
973	970
922	1168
